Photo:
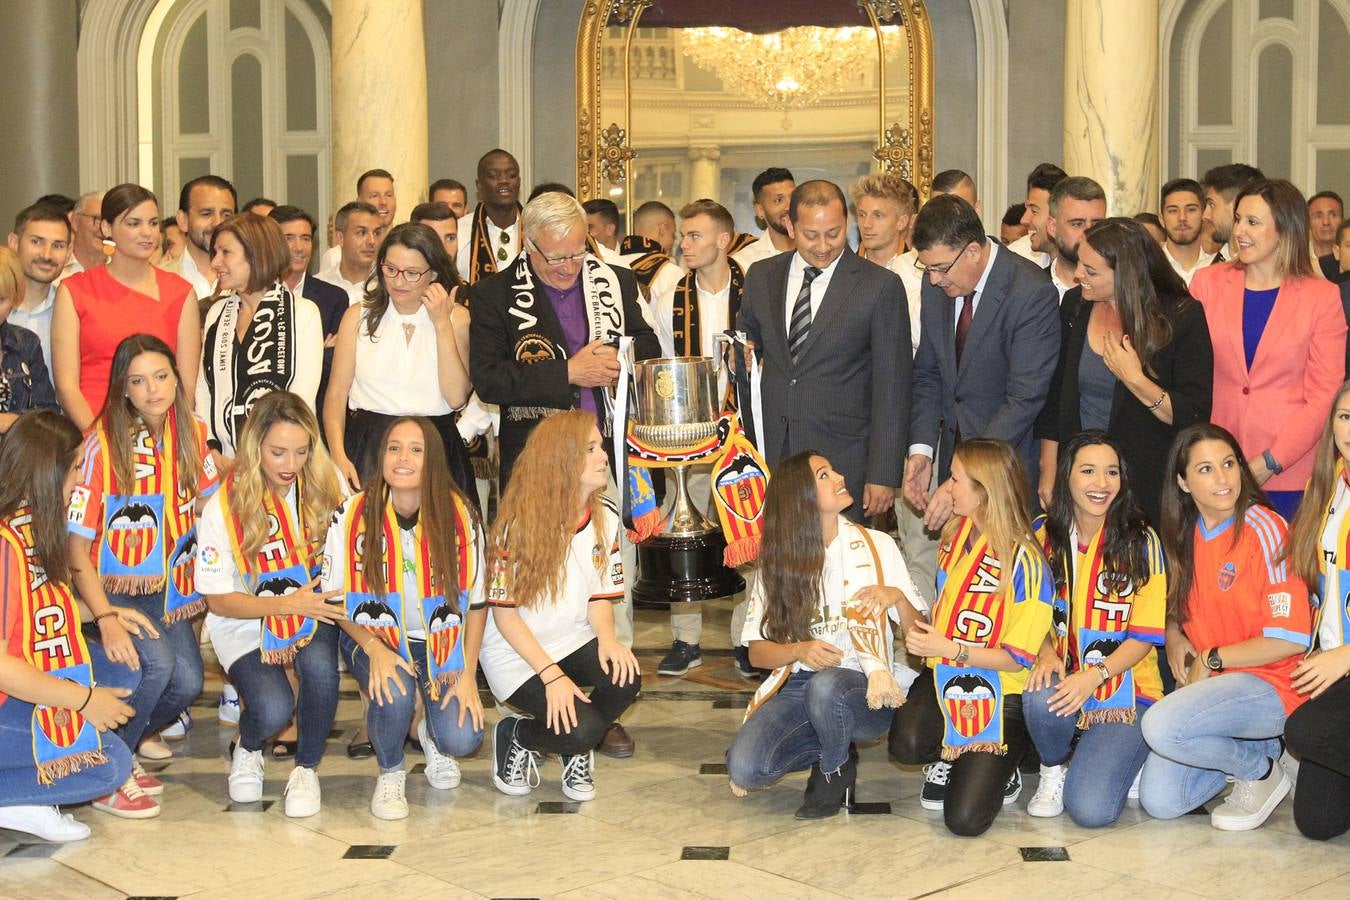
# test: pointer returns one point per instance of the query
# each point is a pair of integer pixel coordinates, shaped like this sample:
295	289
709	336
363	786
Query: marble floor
664	824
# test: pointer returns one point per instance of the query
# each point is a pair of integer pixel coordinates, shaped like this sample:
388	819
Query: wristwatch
1271	464
1213	661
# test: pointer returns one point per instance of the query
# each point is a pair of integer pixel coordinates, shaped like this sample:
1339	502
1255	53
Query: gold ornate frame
903	146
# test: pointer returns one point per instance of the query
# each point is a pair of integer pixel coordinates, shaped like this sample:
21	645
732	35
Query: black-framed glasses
940	270
557	260
410	276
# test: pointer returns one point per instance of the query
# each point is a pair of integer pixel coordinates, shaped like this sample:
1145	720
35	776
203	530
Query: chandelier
792	68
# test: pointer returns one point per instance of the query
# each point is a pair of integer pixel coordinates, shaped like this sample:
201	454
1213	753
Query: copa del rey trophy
678	424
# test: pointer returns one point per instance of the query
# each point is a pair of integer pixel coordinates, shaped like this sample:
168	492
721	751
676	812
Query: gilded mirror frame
904	144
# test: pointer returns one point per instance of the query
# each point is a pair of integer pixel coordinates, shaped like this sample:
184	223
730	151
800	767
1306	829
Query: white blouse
396	376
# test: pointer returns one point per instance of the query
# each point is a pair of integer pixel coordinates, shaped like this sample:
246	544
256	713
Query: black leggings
1319	734
608	701
976	782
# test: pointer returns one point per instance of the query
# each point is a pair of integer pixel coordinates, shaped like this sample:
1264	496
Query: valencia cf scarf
268	352
283	564
442	618
64	742
740	481
739	242
1333	607
970	610
149	532
484	258
645	257
685	320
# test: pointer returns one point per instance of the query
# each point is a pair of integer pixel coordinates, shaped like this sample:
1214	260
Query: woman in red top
1238	621
97	308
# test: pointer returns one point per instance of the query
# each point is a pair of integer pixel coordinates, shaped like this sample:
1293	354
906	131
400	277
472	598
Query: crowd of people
1075	496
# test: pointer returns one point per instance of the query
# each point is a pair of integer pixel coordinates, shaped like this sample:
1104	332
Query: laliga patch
79	502
209	556
327	567
1279	605
1227	575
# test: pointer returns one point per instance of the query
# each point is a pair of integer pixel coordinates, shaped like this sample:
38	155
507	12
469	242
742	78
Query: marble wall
461	38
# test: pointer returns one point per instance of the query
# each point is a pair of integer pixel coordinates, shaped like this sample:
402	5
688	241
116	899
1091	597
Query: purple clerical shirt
572	317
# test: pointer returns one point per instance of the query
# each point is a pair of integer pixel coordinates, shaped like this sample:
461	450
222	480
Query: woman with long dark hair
257	565
408	552
1135	359
1096	672
963	718
145	471
60	697
815	618
1319	547
100	307
555	572
1278	331
412	322
1238	621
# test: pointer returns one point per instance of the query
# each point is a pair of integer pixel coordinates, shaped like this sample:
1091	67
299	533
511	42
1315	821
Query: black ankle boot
825	794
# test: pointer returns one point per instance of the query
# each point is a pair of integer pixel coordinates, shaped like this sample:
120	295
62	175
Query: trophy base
683	570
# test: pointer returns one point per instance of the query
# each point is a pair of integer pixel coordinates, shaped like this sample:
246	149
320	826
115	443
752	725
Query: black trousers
976	782
608	701
1319	734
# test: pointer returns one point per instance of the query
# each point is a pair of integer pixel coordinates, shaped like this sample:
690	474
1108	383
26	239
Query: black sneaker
1013	789
681	658
934	792
743	666
514	769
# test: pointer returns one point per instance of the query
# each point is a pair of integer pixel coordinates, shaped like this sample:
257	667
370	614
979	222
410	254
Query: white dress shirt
465	252
796	272
753	253
356	290
1022	247
1187	274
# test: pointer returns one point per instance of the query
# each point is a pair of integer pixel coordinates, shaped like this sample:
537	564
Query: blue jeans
1228	724
18	773
387	723
269	703
811	720
1108	756
171	669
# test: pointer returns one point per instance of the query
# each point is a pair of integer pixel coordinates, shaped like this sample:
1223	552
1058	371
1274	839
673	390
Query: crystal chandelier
792	68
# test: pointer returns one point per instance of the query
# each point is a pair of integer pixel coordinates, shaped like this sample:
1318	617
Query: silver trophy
677	406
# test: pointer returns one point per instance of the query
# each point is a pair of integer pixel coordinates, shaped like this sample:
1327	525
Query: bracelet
105	615
1159	402
962	654
559	677
547	667
87	697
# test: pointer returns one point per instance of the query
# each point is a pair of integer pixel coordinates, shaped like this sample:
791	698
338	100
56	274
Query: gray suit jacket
848	395
1004	377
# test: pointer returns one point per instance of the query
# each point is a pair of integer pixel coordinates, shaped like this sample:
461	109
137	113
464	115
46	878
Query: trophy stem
685	519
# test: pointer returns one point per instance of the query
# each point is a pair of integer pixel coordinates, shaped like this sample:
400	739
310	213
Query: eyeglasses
411	276
557	260
92	217
939	270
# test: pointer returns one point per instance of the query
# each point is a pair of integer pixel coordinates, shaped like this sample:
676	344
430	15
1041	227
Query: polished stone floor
664	825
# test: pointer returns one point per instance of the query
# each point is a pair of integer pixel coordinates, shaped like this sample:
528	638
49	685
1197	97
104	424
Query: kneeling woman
964	713
815	619
1097	671
412	634
258	541
146	471
1238	621
56	740
556	570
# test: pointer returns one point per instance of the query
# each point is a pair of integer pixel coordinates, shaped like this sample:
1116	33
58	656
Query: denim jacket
30	384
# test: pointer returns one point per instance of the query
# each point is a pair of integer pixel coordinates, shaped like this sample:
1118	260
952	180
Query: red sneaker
128	802
148	783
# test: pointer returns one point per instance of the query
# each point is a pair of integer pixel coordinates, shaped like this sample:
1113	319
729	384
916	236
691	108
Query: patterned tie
963	322
800	325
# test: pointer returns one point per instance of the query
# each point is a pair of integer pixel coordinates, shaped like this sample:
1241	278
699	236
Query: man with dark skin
489	236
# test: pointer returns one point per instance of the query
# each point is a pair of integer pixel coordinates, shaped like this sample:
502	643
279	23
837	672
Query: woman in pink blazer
1278	331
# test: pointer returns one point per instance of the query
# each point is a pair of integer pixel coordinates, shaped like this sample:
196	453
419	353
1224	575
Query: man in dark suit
990	339
299	227
832	331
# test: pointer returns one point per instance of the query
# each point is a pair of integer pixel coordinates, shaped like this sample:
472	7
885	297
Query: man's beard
1184	242
777	226
201	241
1067	253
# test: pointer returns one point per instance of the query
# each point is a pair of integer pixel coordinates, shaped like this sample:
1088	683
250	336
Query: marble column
40	152
1111	101
379	97
705	172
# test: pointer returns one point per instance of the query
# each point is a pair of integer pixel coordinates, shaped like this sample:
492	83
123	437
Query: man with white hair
86	227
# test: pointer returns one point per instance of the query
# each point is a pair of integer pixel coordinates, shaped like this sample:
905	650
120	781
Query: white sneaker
246	776
1134	785
578	776
389	803
302	793
1048	801
1251	802
442	771
178	728
228	710
46	822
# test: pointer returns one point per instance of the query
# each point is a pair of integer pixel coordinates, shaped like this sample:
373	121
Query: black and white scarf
645	257
267	363
484	258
